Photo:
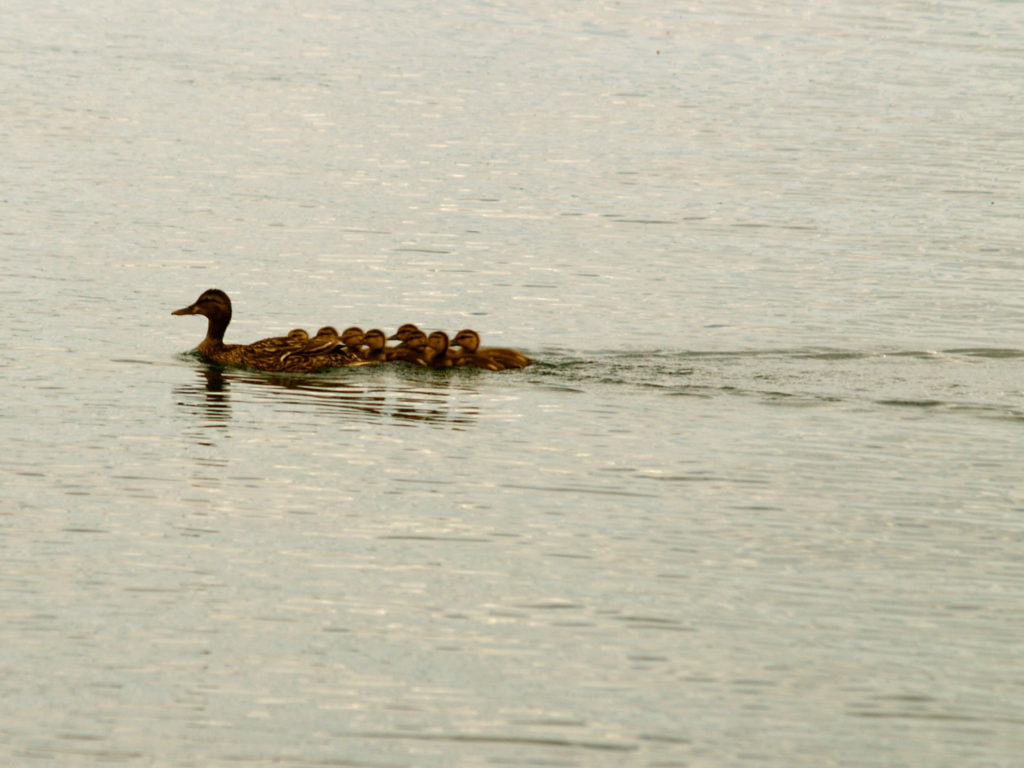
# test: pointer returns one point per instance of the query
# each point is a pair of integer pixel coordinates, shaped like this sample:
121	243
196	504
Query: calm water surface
759	503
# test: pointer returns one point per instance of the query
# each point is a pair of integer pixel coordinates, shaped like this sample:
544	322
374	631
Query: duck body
491	358
324	341
295	353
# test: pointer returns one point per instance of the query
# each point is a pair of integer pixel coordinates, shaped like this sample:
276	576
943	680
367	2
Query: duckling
299	334
412	350
438	354
377	348
404	332
352	338
491	358
407	348
279	353
419	349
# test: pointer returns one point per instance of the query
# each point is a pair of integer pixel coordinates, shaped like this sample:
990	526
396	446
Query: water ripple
983	382
602	746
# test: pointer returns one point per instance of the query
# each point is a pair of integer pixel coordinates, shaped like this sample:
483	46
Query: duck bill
191	309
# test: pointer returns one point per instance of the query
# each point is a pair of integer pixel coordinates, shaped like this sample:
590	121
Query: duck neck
216	327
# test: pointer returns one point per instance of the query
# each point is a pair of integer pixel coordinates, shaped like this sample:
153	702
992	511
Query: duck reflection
419	397
208	399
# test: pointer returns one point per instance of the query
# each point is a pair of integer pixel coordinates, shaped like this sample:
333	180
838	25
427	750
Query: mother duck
282	354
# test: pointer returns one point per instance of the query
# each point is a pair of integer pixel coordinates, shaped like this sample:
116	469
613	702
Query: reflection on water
405	396
209	399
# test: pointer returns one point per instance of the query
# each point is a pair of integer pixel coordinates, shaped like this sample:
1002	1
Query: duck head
216	306
209	303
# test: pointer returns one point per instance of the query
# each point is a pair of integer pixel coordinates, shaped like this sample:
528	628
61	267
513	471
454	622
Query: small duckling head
404	331
298	334
374	339
438	341
352	337
327	332
468	340
416	340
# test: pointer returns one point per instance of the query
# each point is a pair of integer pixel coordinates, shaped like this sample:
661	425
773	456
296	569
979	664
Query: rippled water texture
758	503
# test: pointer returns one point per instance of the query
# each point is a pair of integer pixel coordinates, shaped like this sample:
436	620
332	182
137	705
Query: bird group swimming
298	352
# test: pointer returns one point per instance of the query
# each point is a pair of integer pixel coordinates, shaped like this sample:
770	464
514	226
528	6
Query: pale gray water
759	503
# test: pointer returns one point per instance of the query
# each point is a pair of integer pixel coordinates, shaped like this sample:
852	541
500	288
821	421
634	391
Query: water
759	502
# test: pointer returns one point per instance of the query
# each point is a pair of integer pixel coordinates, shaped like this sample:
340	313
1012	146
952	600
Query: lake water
759	503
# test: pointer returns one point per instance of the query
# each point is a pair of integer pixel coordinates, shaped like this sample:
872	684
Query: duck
376	346
280	354
438	354
491	358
